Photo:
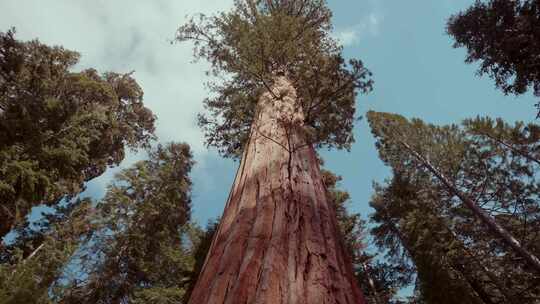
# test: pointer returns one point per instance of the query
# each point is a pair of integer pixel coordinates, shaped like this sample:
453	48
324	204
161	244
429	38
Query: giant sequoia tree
60	128
285	90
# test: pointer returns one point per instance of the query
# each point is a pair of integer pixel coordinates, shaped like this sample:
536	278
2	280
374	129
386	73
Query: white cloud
368	26
122	36
126	35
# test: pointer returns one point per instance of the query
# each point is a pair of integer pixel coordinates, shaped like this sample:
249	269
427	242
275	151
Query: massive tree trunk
278	240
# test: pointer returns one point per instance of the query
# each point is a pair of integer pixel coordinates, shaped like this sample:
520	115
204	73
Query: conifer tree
60	128
490	164
136	251
412	226
31	265
442	152
285	91
379	281
136	246
503	36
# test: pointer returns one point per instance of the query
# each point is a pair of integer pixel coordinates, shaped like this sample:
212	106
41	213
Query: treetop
256	41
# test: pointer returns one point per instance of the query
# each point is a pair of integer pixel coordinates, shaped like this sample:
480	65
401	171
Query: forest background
417	74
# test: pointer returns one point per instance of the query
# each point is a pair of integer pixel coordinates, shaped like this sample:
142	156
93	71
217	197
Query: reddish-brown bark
278	240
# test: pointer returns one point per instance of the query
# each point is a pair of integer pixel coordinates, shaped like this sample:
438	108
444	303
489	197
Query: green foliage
520	141
59	128
136	251
410	229
419	217
201	240
136	246
158	295
386	278
31	265
503	35
351	226
27	281
248	46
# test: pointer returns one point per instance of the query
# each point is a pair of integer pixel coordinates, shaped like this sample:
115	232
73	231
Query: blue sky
417	73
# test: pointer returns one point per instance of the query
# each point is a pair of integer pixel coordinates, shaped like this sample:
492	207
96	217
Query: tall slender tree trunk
376	297
511	147
497	229
432	269
504	292
278	240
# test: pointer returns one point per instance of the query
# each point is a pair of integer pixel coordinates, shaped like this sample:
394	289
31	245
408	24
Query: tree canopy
31	265
504	37
257	40
60	128
136	245
140	248
423	212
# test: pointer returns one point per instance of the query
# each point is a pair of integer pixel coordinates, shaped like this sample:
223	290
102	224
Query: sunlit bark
278	240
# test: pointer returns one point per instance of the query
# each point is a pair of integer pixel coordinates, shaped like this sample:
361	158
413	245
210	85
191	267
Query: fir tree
60	128
137	251
503	36
476	173
31	265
